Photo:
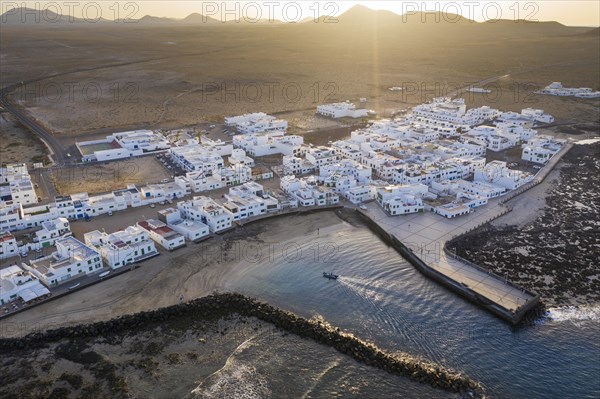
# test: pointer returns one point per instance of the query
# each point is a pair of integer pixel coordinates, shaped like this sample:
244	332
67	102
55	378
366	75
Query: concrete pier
421	238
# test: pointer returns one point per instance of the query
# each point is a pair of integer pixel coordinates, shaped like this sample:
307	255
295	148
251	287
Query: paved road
58	153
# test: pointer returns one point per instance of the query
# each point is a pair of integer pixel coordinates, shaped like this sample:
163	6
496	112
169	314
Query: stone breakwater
220	305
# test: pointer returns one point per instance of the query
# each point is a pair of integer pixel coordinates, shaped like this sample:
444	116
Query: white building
269	143
541	148
249	200
324	196
123	247
450	116
51	231
258	122
557	89
8	246
341	110
498	173
11	217
537	114
16	283
192	230
320	156
162	234
293	165
122	145
16	186
71	259
401	199
207	211
481	188
195	157
360	194
239	157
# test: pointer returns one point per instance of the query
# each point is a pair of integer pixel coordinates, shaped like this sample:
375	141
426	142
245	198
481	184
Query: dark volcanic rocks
558	254
222	305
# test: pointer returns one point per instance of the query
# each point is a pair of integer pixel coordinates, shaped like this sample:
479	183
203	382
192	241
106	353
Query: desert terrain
119	77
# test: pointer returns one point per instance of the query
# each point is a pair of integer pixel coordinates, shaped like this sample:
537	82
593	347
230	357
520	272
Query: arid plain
117	76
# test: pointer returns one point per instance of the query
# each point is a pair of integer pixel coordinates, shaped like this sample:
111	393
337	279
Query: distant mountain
149	19
196	18
357	19
31	17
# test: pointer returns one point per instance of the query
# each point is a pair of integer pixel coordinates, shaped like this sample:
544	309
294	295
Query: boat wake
574	313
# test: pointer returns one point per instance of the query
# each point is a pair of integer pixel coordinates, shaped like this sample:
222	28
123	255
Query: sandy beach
193	271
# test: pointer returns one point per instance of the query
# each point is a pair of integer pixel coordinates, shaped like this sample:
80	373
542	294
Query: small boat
330	276
101	275
74	286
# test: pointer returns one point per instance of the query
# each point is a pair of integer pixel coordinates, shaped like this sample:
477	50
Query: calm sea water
380	297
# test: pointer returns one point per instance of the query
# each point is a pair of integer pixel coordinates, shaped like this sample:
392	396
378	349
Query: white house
360	194
498	173
207	211
320	156
16	185
195	157
123	247
256	123
162	234
71	259
122	145
239	157
293	165
16	283
51	231
401	199
341	110
8	246
192	230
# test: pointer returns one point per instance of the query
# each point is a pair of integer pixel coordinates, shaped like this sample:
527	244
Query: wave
588	141
234	380
574	313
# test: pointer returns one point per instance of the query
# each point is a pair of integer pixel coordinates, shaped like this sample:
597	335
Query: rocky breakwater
221	305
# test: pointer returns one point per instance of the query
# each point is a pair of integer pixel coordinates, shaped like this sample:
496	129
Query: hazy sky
583	13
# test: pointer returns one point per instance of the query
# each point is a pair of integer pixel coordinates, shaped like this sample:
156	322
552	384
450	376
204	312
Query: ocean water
381	298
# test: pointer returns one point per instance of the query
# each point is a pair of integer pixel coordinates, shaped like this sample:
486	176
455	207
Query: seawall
220	305
461	289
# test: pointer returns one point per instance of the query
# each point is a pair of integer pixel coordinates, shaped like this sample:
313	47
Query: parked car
110	213
363	207
164	181
152	205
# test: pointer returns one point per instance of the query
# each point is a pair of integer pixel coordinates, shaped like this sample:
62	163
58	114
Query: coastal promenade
425	235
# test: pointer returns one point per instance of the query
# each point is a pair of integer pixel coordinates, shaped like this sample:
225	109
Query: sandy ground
205	74
18	144
194	271
108	176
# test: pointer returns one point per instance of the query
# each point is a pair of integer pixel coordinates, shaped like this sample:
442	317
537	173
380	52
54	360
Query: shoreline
231	304
550	250
194	271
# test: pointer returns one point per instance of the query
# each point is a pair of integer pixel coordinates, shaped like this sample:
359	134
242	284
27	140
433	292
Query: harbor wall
464	291
223	305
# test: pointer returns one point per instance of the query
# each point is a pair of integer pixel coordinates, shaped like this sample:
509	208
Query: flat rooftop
88	149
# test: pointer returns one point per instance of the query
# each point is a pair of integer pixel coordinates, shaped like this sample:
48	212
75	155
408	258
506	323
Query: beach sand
194	271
